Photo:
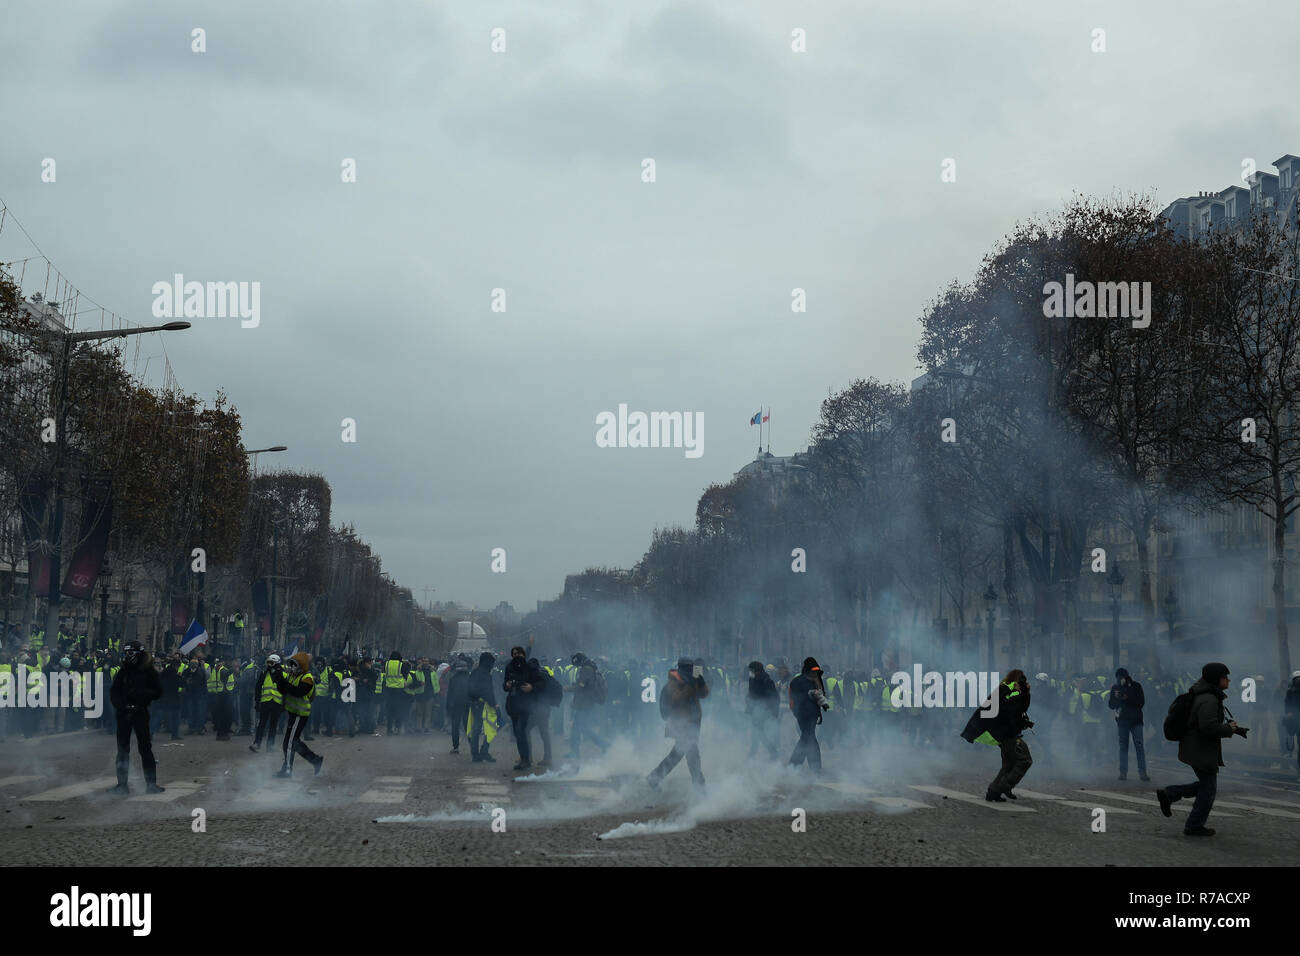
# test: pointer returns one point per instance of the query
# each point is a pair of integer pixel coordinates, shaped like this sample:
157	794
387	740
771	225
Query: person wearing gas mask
807	702
679	705
135	687
763	705
295	682
269	704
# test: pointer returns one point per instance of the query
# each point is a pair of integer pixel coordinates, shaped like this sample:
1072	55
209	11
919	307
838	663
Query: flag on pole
195	636
757	419
765	418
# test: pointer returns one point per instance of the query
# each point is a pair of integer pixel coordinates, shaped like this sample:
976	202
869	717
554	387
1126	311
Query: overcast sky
522	170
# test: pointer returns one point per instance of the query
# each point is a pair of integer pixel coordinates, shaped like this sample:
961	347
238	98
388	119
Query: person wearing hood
481	724
680	707
135	687
520	682
1201	748
1003	728
807	695
1291	716
1127	700
457	699
297	686
763	704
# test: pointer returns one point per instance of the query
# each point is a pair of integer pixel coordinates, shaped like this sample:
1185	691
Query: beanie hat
1121	673
486	658
1214	671
809	663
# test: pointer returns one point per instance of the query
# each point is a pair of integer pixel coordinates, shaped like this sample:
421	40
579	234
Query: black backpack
1178	720
551	693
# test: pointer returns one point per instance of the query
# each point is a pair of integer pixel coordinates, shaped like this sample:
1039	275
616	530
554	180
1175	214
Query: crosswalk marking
72	790
1280	803
11	781
1007	807
1267	811
406	781
874	796
1184	805
386	790
1035	795
173	790
487	798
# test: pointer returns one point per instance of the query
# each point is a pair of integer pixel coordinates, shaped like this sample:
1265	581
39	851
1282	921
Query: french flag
757	419
195	636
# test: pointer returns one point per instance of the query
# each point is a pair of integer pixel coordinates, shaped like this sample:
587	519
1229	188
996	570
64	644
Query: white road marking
874	796
971	798
1280	803
11	781
73	790
1185	804
1035	795
171	791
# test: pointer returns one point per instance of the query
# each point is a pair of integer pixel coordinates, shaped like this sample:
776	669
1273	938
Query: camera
697	672
1241	731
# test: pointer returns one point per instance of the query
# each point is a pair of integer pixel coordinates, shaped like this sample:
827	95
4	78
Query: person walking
807	695
1127	700
270	704
1200	746
1002	728
481	724
519	683
295	681
457	700
680	707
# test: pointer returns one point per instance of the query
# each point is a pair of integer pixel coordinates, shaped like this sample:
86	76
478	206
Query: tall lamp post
60	453
1171	615
990	603
275	540
1115	580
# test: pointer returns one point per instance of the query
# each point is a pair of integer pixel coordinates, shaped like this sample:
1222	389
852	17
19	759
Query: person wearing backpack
763	705
1127	701
521	684
548	694
679	705
1196	720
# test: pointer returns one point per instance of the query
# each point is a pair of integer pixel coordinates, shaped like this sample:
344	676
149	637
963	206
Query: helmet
1295	673
1040	676
131	651
65	661
292	667
273	659
875	672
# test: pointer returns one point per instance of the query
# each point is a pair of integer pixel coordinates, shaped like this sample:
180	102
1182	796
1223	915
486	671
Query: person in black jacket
482	709
135	687
519	683
807	701
457	699
171	679
1291	713
763	704
1002	728
1127	700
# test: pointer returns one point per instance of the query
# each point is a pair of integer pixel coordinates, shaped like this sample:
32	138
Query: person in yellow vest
322	707
415	693
218	701
270	704
294	680
1086	707
394	675
344	688
1004	730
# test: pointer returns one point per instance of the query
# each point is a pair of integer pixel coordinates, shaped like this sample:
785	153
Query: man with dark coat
680	706
457	699
1201	748
171	679
1127	700
135	687
1003	728
807	701
763	704
519	683
1291	713
482	709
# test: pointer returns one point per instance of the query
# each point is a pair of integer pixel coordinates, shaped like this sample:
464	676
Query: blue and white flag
195	636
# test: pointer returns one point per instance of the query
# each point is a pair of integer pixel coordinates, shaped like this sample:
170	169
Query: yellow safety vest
886	703
270	692
416	686
215	682
393	674
300	706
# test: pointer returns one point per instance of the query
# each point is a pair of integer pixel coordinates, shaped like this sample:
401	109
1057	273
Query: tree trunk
1145	586
1009	589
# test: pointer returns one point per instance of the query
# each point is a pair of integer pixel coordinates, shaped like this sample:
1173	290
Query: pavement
405	801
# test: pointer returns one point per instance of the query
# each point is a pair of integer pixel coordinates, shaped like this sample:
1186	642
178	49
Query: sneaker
223	736
1010	796
476	759
120	788
1144	777
992	797
1165	802
523	766
1199	831
543	764
1123	776
455	751
255	748
283	772
317	765
154	788
488	758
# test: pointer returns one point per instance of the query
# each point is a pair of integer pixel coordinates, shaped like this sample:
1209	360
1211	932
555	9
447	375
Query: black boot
121	787
151	783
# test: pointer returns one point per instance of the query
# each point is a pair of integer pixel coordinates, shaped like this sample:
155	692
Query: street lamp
60	452
1116	582
257	451
990	601
1171	615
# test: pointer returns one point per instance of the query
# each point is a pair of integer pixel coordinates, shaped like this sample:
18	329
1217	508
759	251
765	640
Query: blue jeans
581	728
1136	731
1204	790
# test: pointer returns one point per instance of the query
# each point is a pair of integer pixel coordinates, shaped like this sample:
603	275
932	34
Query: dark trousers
268	716
456	716
245	712
763	731
582	720
136	720
169	712
688	747
196	711
541	722
519	722
1016	762
394	702
293	744
223	712
807	747
1204	790
1135	730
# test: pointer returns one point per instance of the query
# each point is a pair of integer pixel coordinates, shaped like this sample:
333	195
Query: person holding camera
807	702
679	704
1201	748
1127	700
520	682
